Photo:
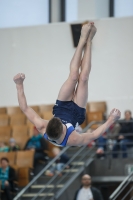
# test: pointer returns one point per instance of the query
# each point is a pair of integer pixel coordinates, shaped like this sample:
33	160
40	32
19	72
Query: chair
25	159
13	110
5	137
47	107
21	140
18	119
97	106
24	163
47	115
23	176
3	110
21	130
4	119
11	157
5	130
5	134
95	116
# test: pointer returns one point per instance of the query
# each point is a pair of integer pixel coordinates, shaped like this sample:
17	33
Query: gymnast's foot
92	33
85	31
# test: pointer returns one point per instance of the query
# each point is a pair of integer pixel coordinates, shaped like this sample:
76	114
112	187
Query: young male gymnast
69	109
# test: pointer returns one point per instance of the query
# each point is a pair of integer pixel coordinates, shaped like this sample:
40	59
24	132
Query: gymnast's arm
39	123
84	138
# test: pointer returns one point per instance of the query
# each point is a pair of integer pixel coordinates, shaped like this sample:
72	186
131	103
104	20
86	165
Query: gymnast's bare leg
81	94
67	90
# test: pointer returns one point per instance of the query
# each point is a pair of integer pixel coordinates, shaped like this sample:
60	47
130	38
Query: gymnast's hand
19	78
115	114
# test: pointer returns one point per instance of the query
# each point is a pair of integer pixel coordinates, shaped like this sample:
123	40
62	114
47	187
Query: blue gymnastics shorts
69	112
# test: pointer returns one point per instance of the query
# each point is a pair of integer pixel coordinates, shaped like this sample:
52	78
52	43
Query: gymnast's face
86	180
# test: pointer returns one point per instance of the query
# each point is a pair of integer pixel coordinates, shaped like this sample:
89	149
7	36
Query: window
71	10
16	13
123	8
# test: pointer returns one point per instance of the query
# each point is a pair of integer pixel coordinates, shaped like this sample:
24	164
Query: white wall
43	53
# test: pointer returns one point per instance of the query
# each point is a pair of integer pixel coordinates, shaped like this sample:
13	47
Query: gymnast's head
54	128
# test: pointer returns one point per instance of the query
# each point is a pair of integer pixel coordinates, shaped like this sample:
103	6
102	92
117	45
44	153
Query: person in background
86	191
7	178
59	164
38	144
107	140
13	146
125	138
3	147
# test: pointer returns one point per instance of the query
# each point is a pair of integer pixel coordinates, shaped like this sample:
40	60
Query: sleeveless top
70	129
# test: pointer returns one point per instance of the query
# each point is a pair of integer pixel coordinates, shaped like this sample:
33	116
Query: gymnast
70	107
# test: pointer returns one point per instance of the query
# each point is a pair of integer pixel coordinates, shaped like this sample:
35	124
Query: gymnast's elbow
87	138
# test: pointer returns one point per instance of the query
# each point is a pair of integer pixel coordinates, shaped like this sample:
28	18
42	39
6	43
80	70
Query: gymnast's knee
83	78
74	77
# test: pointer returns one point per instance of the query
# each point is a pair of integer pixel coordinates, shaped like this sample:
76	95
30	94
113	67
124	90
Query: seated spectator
125	138
107	139
59	164
7	178
38	144
12	145
3	147
86	191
